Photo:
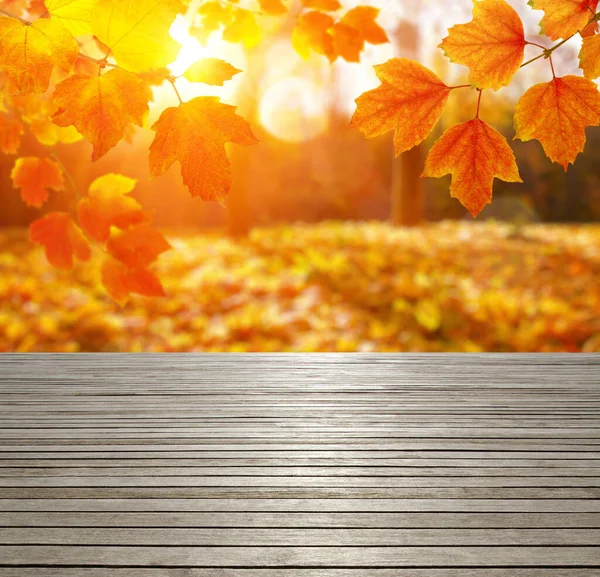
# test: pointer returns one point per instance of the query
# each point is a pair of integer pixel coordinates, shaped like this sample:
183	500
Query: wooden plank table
299	466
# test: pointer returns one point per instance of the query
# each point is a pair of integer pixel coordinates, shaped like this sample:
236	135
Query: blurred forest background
327	242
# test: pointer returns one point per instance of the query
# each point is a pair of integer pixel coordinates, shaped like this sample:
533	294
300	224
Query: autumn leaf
410	101
273	7
11	130
362	19
557	113
48	134
312	33
211	71
137	33
34	176
213	16
195	134
325	5
74	15
102	107
137	247
120	282
29	52
107	204
563	18
347	42
492	45
474	154
243	29
62	239
589	57
589	30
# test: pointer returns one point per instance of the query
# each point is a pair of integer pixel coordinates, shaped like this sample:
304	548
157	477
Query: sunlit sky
295	95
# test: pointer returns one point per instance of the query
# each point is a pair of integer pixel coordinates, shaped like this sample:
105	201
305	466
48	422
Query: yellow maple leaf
195	134
474	154
74	15
492	45
410	101
243	29
137	33
557	113
211	71
96	106
29	52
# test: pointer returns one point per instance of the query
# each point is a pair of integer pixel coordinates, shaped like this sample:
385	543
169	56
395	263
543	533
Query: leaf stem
66	173
172	82
547	52
460	86
479	102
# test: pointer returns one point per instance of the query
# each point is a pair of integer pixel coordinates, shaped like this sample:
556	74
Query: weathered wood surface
299	466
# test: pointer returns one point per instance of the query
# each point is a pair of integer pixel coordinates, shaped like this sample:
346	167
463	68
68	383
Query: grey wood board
299	465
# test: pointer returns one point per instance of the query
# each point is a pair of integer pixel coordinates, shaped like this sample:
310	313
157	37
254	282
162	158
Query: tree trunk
407	186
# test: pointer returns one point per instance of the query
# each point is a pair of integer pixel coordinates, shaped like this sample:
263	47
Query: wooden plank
191	572
297	537
298	557
294	520
293	465
315	505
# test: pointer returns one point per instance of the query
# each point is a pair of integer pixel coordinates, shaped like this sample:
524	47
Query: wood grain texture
299	465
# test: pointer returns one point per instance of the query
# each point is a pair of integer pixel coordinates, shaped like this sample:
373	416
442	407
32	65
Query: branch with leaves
411	98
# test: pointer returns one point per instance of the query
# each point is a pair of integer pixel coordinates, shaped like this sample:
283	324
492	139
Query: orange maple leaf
101	107
362	19
557	113
29	52
107	204
34	176
11	130
589	30
311	32
273	7
325	5
120	282
138	246
195	133
492	45
410	100
474	154
211	71
563	18
61	238
589	57
347	42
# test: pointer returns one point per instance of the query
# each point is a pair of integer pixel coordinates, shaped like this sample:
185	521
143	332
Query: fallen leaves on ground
452	286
